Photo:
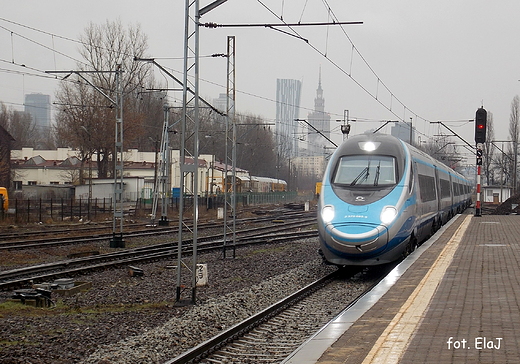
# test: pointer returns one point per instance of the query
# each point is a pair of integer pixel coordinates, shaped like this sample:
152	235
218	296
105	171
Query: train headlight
369	146
388	214
327	213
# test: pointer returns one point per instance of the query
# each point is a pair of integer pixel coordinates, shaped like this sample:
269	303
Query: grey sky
431	61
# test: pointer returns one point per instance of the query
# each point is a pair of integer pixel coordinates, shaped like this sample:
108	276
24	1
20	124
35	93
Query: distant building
288	95
401	130
320	120
221	103
311	166
39	107
62	166
496	194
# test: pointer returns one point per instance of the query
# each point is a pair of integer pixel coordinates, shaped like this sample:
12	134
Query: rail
22	276
216	342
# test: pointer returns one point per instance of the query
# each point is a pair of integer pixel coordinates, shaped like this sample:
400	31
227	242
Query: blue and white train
381	197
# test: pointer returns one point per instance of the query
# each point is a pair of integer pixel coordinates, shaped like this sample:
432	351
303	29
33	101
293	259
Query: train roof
389	145
268	179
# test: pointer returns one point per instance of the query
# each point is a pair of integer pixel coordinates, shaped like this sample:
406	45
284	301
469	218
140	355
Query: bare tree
489	149
86	118
443	149
150	105
502	164
256	148
514	119
19	124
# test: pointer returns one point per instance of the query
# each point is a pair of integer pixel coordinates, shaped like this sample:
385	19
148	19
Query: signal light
480	125
479	157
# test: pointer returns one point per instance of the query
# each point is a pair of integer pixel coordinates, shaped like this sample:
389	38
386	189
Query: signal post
480	139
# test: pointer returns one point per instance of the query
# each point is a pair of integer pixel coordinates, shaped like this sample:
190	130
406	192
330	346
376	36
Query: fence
52	210
42	210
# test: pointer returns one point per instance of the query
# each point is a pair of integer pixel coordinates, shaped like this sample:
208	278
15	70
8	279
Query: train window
445	188
366	170
427	187
458	189
410	182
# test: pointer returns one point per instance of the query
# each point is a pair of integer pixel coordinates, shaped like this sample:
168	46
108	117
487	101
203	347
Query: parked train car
257	184
4	198
267	184
381	197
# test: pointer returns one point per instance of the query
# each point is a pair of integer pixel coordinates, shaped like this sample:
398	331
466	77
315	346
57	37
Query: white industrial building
63	167
495	194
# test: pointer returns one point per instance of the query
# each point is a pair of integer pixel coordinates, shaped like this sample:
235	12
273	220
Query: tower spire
319	102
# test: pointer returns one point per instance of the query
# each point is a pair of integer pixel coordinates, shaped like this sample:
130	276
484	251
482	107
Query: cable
39	30
349	74
303	10
330	13
35	42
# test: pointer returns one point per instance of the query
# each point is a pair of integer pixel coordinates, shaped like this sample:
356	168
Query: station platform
456	299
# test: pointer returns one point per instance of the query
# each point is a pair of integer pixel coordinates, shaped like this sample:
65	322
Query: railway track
77	235
273	334
52	231
71	267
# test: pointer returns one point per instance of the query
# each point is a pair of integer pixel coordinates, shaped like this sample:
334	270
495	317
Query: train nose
357	238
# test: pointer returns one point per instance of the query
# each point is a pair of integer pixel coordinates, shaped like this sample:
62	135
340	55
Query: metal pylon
162	181
231	151
189	153
117	237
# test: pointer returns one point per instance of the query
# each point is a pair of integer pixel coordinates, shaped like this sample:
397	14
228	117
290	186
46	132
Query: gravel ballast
125	319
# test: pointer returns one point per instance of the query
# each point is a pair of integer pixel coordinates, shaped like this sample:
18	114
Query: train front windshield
366	170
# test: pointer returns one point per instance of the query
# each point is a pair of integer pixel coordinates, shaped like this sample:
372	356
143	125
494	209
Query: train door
421	208
451	190
438	188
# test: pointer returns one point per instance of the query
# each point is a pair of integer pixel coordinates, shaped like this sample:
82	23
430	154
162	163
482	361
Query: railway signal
480	138
480	125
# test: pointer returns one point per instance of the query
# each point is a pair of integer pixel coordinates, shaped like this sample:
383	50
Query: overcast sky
429	61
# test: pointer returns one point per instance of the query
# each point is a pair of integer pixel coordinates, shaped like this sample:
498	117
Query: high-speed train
381	197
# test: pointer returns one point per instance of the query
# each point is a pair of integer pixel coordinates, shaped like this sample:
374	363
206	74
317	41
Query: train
257	184
4	199
380	198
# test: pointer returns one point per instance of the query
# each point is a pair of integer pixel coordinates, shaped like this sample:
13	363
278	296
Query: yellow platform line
392	344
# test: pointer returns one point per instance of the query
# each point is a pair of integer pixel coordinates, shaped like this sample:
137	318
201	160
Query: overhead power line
276	25
40	31
348	73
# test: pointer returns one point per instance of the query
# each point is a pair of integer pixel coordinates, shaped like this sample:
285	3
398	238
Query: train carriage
257	184
4	199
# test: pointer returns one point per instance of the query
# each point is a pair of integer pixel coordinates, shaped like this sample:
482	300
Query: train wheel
435	226
414	243
410	247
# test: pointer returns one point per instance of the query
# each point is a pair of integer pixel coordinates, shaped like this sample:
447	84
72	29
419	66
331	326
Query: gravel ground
124	319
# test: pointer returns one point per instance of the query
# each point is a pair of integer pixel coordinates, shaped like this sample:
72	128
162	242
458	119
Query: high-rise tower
39	106
288	94
321	121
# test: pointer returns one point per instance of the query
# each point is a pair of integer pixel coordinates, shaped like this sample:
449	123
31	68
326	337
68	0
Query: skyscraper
320	120
221	103
401	130
39	107
288	94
